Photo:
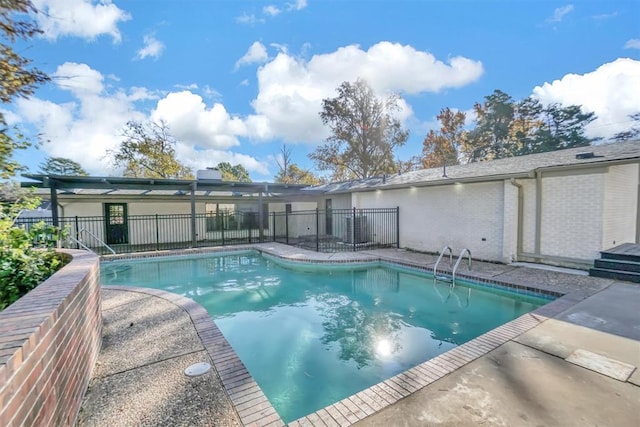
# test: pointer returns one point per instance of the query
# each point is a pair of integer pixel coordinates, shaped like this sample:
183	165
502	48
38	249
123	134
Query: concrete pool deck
572	362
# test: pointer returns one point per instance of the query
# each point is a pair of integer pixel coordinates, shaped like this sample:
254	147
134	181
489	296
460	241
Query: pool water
314	335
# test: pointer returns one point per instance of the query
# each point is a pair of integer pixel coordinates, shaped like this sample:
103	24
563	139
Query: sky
235	80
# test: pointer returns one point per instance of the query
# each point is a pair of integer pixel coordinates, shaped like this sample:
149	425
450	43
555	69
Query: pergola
148	186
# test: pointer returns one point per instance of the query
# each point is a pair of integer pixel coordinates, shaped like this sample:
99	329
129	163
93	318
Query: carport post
260	214
194	237
54	205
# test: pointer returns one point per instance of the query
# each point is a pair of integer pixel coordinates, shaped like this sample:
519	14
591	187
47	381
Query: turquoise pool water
313	335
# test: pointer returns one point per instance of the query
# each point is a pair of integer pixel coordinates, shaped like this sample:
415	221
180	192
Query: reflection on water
313	337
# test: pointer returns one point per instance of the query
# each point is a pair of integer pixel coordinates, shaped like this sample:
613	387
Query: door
328	230
117	230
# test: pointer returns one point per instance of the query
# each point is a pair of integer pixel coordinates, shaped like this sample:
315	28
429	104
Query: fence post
273	230
157	234
398	227
77	232
286	227
317	231
353	229
221	226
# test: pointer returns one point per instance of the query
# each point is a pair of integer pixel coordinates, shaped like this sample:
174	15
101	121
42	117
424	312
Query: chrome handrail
84	230
78	242
435	266
455	267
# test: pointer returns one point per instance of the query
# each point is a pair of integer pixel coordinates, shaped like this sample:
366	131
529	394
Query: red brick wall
49	342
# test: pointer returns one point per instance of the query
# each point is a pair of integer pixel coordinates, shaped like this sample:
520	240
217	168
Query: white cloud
271	10
560	12
257	53
290	93
191	121
201	159
152	48
291	89
610	92
85	128
81	18
632	44
297	5
80	79
249	19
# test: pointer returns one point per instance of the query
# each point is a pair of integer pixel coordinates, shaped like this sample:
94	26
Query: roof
512	167
121	186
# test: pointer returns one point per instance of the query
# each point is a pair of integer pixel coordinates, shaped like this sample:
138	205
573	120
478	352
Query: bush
27	257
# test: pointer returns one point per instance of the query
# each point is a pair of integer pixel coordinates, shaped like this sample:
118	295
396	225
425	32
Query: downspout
520	217
538	224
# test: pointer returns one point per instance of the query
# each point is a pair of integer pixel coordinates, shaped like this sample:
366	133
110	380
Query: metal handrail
78	242
435	266
84	230
455	267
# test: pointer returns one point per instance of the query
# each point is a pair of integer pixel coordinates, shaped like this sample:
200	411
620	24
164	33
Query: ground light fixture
197	369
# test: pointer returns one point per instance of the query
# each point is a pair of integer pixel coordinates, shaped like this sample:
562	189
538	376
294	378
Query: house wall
620	214
459	215
298	224
571	223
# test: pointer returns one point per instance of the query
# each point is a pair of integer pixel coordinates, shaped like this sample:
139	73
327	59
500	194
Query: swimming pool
311	335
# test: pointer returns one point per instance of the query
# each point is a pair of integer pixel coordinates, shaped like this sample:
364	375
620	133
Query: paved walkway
578	368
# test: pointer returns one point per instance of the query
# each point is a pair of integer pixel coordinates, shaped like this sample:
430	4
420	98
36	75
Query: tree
61	166
505	128
633	131
17	78
490	138
233	173
364	133
148	151
562	127
290	173
442	147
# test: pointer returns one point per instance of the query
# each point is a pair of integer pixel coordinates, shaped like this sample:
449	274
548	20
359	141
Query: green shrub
27	257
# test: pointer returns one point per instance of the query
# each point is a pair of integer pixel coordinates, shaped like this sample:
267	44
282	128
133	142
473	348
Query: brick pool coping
252	406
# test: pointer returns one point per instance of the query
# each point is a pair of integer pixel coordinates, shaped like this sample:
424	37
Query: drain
197	369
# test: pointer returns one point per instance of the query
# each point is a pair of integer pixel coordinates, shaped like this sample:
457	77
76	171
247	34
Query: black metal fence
337	230
334	230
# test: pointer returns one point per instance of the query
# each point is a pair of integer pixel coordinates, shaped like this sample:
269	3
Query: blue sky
234	80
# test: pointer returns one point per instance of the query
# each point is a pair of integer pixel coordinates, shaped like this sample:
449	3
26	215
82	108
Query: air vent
588	155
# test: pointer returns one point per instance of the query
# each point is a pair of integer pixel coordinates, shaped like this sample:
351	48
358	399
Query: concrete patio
578	367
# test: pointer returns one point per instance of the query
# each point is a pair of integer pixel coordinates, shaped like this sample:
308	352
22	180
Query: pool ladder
451	279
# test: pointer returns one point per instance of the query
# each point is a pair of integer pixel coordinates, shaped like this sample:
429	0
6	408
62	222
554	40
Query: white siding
458	215
572	206
620	205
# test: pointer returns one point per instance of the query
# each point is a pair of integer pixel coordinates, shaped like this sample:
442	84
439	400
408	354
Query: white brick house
559	208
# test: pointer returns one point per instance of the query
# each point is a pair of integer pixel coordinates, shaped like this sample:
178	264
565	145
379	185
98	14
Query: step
624	252
614	264
619	257
615	274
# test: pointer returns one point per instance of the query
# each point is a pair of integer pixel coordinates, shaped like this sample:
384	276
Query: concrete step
616	264
615	274
624	252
